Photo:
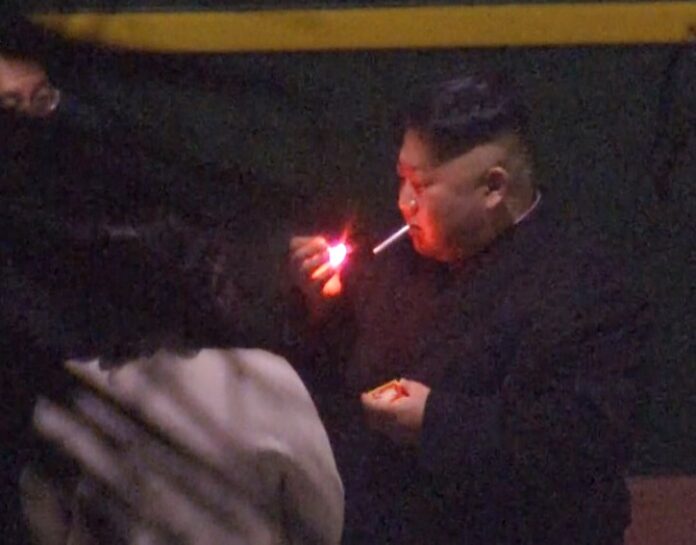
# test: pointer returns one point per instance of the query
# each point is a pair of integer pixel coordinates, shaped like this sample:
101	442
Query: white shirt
225	447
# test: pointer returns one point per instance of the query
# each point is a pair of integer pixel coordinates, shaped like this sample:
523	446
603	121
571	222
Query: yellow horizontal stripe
379	28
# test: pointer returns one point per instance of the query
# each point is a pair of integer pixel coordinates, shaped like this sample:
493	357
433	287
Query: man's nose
408	204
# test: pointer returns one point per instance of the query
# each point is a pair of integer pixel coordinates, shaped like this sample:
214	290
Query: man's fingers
309	257
333	287
316	266
298	242
303	247
370	404
381	405
376	412
414	388
408	385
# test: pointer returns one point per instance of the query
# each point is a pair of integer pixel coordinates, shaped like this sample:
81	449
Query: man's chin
417	241
430	252
422	248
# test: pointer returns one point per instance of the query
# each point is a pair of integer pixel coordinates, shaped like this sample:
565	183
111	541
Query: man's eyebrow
403	169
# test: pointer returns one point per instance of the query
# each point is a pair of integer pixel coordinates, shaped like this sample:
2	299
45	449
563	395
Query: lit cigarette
390	240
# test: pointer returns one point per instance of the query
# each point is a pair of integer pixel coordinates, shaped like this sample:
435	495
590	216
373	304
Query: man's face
445	204
24	88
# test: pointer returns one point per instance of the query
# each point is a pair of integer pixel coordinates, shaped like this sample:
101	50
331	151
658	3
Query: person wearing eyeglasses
25	88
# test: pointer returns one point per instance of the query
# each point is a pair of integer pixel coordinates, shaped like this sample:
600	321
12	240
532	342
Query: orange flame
337	256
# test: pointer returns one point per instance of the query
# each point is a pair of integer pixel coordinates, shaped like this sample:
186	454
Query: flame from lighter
391	239
337	255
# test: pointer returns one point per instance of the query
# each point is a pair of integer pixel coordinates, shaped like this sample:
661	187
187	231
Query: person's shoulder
573	260
258	359
265	370
567	242
592	255
276	405
92	371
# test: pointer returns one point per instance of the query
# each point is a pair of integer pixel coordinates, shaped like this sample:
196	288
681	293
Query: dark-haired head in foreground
162	285
122	292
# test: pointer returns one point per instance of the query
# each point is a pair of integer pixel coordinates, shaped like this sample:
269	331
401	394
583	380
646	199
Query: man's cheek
437	228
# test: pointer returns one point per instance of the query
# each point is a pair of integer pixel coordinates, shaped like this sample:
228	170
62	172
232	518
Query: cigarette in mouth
391	239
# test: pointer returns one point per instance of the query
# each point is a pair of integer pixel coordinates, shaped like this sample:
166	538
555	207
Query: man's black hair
455	115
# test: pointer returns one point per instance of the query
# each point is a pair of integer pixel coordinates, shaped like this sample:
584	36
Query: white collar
529	210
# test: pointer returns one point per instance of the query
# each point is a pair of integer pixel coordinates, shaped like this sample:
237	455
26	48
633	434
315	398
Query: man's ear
497	182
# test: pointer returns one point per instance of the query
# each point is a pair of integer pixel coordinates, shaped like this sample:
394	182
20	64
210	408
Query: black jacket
531	349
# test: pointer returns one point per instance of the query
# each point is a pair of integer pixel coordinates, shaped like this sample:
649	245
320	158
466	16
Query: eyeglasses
43	101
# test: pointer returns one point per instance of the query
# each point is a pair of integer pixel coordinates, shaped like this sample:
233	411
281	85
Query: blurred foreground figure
174	444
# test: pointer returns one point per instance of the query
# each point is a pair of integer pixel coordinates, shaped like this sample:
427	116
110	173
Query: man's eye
420	185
